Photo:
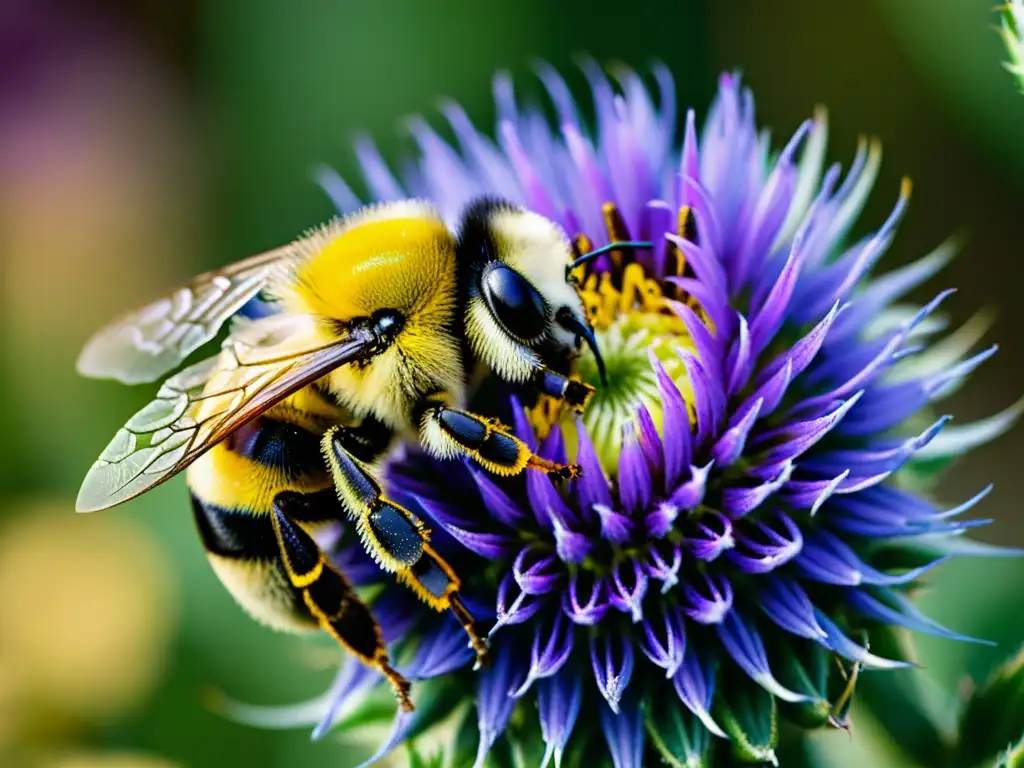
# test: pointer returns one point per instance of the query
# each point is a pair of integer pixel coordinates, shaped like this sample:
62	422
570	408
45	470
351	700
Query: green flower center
631	319
632	383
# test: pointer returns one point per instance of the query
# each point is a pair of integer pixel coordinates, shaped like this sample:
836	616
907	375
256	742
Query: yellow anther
632	280
686	231
687	224
639	295
544	415
616	228
653	299
581	245
607	301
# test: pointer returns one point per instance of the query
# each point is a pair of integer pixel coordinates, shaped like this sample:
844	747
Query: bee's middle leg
395	537
448	432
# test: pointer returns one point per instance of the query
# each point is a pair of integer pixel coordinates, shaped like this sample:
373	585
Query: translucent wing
203	404
145	344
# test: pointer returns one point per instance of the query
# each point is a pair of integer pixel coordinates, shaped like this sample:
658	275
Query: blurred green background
142	142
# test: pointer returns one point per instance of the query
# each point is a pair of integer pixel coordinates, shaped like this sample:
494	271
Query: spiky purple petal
558	701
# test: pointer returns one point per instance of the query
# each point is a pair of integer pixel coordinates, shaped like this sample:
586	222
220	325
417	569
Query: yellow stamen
640	298
685	221
581	245
609	300
617	231
544	415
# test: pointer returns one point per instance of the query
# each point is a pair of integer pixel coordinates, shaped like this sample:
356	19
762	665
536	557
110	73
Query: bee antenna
624	244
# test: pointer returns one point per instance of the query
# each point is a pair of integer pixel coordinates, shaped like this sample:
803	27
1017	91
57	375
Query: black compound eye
514	302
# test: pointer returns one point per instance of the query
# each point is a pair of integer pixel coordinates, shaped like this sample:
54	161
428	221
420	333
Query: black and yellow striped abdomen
233	490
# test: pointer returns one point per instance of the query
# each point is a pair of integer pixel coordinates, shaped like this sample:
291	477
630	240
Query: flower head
745	522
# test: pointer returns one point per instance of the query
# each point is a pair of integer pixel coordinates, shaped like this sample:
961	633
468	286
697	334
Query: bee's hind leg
447	432
395	537
329	597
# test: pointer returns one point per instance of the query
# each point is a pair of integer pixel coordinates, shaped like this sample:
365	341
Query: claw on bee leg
554	469
400	684
477	642
447	432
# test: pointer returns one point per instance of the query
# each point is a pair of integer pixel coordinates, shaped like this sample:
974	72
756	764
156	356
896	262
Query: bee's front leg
448	432
573	393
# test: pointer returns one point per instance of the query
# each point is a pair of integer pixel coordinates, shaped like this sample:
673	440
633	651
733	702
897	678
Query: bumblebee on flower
738	532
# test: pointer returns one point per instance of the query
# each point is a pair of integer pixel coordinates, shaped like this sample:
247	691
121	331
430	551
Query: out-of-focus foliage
993	719
952	45
1012	756
1012	30
141	143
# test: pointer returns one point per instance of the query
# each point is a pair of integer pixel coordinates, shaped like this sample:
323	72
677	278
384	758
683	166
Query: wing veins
144	343
245	401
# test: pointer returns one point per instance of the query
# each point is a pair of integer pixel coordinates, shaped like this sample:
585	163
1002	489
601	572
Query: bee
382	318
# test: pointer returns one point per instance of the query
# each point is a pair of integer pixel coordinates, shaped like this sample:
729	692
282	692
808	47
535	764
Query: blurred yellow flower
87	610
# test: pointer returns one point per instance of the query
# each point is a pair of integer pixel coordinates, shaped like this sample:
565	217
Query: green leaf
377	709
586	749
805	669
680	738
749	716
898	555
435	701
899	703
502	754
921	475
417	760
792	750
467	735
1012	32
994	716
1013	757
524	732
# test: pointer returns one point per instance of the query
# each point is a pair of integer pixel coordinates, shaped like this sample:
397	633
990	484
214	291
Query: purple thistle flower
744	498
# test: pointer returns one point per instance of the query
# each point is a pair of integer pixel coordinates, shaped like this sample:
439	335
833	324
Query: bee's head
522	312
